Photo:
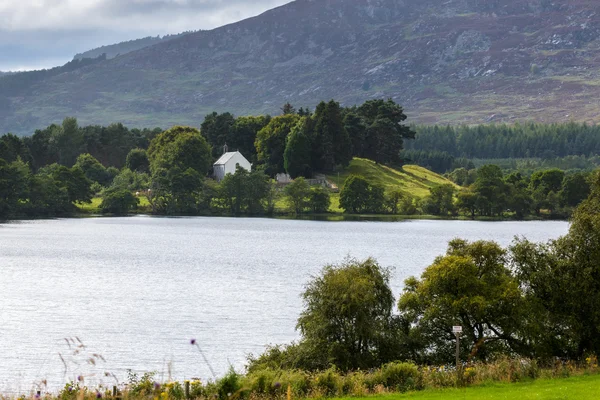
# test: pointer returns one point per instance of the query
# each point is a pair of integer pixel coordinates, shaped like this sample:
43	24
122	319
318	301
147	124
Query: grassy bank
576	388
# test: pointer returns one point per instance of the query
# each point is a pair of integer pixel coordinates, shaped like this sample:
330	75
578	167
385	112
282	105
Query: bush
119	201
401	377
229	385
328	382
319	200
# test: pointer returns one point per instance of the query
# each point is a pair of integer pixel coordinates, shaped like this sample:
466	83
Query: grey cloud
40	36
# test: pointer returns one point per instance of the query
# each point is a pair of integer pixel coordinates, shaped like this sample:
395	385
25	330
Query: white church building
228	163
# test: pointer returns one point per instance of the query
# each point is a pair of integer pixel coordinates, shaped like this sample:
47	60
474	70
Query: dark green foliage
297	195
437	161
440	200
358	196
180	147
319	200
118	201
271	142
243	134
72	180
137	160
575	189
529	140
13	148
229	386
297	158
245	192
92	169
330	143
348	310
385	134
470	286
216	129
13	187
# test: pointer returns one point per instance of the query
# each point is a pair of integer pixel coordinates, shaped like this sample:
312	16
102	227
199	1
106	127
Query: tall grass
265	384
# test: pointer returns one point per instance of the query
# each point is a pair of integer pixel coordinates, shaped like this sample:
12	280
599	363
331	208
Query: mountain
446	61
117	49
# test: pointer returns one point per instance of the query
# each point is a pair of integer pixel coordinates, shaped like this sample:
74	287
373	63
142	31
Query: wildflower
277	385
37	396
156	385
80	378
98	395
193	342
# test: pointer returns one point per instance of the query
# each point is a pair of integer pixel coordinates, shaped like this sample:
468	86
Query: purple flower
193	342
277	385
98	395
156	385
80	378
37	396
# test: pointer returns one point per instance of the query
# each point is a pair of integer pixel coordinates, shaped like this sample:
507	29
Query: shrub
328	382
229	385
401	377
119	201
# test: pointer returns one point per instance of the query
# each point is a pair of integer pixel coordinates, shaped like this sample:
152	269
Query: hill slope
412	181
445	60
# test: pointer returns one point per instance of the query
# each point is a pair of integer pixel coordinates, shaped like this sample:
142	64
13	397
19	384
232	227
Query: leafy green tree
92	169
180	147
271	142
319	200
297	195
243	134
14	184
137	160
130	180
385	135
376	201
331	143
392	201
119	202
216	129
347	314
175	191
13	148
73	180
470	286
297	156
68	141
561	281
357	130
440	200
245	192
288	109
466	201
47	197
491	190
551	180
354	196
575	188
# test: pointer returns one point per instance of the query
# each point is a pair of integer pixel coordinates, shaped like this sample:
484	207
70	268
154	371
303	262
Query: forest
62	166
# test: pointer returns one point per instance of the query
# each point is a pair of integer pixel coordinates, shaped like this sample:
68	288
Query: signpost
457	331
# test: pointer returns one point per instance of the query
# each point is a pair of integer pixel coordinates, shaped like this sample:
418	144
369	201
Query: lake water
136	290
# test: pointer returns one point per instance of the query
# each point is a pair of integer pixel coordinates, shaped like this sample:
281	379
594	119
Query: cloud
41	32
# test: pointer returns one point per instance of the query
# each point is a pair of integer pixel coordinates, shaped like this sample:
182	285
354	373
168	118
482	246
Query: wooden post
457	331
115	392
289	392
187	389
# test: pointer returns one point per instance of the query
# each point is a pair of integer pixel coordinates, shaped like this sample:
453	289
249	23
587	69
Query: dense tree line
531	140
537	301
489	192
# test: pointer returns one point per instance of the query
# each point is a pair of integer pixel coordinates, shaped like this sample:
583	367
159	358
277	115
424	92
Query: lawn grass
579	388
411	180
94	206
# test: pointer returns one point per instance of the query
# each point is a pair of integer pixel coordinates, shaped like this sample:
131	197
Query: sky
38	34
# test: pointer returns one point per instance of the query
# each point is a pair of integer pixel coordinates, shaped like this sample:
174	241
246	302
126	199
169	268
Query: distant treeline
532	140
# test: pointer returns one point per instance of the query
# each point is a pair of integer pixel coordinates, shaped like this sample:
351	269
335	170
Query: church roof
226	157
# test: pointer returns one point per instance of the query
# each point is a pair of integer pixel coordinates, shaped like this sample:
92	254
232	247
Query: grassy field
94	206
577	388
411	180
